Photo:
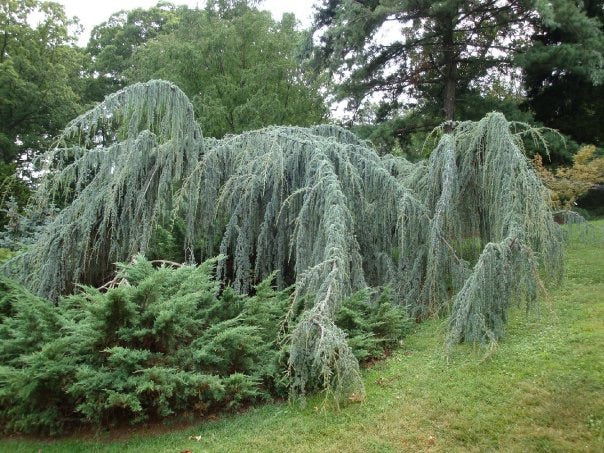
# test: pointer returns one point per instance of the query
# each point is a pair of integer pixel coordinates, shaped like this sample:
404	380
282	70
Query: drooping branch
317	204
113	193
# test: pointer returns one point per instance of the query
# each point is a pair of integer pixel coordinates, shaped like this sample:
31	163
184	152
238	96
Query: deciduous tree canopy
239	68
39	77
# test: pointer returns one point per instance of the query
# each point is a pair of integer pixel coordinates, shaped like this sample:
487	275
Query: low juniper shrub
166	342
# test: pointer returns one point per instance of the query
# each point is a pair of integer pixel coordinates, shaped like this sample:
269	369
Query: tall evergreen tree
564	69
416	52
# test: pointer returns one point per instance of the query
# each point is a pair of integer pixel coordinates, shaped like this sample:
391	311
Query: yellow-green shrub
567	184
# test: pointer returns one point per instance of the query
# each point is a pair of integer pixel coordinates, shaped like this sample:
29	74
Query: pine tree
420	52
566	56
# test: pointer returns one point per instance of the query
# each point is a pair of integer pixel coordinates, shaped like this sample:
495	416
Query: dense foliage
40	83
433	50
403	67
568	184
316	204
113	43
564	69
155	169
238	65
240	68
39	72
162	342
243	70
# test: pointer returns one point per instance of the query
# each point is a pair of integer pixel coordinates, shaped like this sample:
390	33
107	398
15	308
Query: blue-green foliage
164	342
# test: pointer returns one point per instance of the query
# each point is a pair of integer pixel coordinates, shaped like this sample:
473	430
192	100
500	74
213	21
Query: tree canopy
238	65
40	89
39	77
564	69
240	70
430	51
113	43
391	60
405	66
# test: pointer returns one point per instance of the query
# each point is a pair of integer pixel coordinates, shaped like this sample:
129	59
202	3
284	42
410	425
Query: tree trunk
449	98
450	74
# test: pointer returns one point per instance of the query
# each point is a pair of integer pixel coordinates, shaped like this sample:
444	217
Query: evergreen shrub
165	341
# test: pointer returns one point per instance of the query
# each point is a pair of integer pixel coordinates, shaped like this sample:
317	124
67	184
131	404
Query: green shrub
5	254
165	342
372	326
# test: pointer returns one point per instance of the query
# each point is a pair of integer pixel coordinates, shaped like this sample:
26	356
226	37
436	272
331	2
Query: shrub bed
166	342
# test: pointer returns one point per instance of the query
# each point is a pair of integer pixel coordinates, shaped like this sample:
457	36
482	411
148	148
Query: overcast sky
93	12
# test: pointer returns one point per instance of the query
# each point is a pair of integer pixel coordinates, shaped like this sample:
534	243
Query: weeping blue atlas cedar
465	233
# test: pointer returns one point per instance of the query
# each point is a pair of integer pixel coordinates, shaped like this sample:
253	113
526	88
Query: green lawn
541	389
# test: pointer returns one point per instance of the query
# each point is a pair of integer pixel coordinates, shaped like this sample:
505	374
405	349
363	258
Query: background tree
39	73
430	52
564	69
113	43
239	66
39	86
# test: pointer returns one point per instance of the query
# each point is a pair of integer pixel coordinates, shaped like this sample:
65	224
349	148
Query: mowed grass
541	389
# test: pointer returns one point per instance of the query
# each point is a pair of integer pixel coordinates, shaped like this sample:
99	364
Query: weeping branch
466	232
